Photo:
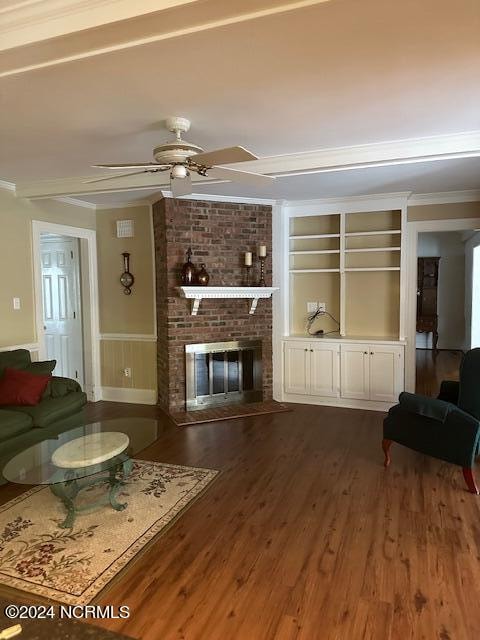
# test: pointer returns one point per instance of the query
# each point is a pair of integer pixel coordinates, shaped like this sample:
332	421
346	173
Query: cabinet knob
366	353
311	350
305	349
371	353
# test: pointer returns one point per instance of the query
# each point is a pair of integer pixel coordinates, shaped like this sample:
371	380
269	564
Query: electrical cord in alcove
317	314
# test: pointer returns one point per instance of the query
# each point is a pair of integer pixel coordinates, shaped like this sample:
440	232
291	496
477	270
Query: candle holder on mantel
261	282
248	270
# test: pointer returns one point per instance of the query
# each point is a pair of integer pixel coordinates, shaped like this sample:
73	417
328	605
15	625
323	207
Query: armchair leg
470	480
386	450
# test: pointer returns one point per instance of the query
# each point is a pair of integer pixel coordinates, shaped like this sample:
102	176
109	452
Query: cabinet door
297	360
386	372
324	370
354	371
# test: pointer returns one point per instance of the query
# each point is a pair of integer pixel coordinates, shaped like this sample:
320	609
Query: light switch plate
16	304
311	307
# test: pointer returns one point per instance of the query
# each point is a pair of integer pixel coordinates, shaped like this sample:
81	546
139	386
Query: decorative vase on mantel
203	277
188	270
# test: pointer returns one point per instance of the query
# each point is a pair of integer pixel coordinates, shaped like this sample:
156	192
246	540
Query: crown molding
29	21
443	197
75	202
219	198
377	154
8	186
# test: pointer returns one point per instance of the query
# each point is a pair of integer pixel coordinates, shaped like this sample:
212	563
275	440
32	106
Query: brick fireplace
219	234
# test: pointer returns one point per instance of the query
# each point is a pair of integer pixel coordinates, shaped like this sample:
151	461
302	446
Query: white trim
32	346
154	273
280	301
132	396
90	235
129	337
196	294
345	403
413	229
443	197
357	204
9	186
76	202
218	198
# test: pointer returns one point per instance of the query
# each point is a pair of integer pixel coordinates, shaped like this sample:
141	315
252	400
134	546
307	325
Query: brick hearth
219	234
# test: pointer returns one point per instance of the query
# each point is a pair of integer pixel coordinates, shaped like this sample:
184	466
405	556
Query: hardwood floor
433	368
306	536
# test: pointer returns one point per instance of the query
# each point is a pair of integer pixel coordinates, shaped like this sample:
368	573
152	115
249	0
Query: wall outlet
16	304
127	372
322	306
311	307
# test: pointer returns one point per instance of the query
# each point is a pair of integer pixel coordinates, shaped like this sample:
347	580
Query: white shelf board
350	234
311	253
315	236
197	294
347	338
371	249
372	269
314	270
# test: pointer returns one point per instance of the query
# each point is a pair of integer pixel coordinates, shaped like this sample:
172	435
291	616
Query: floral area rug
73	565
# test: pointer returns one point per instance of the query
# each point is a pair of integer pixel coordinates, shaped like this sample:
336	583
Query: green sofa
60	409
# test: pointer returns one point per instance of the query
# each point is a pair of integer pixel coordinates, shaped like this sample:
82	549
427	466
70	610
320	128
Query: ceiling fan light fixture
179	171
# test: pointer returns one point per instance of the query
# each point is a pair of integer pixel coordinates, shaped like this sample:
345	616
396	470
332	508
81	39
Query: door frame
91	341
413	229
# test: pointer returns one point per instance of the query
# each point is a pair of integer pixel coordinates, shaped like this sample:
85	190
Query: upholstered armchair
448	427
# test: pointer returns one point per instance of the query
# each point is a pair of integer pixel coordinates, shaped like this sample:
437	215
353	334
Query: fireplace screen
223	372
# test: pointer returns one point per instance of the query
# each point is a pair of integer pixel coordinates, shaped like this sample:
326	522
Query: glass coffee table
93	454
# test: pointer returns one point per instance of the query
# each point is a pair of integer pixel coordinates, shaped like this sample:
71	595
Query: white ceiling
334	74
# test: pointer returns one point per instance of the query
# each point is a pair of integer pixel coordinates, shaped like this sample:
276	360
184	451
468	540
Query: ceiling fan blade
245	177
181	186
223	156
133	165
119	175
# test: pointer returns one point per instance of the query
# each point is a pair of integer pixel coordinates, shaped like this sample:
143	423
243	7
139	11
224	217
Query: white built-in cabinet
371	372
312	369
352	260
368	371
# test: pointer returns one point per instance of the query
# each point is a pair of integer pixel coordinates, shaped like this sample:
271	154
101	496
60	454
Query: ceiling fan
181	158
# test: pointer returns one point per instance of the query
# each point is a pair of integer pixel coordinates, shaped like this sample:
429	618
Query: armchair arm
449	391
63	386
427	407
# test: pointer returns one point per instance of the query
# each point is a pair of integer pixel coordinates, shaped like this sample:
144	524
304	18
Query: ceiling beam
434	148
172	19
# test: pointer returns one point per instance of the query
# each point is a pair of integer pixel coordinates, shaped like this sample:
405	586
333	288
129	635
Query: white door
297	365
354	371
324	369
62	314
386	372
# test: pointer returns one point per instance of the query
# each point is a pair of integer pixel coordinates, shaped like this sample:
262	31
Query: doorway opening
62	304
442	331
66	302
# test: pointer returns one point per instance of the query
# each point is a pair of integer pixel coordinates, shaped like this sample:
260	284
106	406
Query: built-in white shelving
314	253
315	236
350	234
372	269
373	249
314	270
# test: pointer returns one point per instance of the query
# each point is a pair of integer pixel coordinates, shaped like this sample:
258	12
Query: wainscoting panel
139	356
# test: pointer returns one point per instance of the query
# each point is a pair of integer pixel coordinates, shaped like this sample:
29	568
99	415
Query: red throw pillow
22	388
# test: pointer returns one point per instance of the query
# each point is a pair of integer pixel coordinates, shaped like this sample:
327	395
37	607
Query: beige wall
444	211
120	313
16	215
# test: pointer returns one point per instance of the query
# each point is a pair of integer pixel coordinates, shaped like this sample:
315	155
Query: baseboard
345	403
132	396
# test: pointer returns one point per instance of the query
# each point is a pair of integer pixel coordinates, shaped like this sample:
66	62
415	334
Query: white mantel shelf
197	294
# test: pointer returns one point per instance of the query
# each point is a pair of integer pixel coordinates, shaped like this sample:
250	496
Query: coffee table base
68	490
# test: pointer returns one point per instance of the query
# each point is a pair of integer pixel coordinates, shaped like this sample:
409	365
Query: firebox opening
220	373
